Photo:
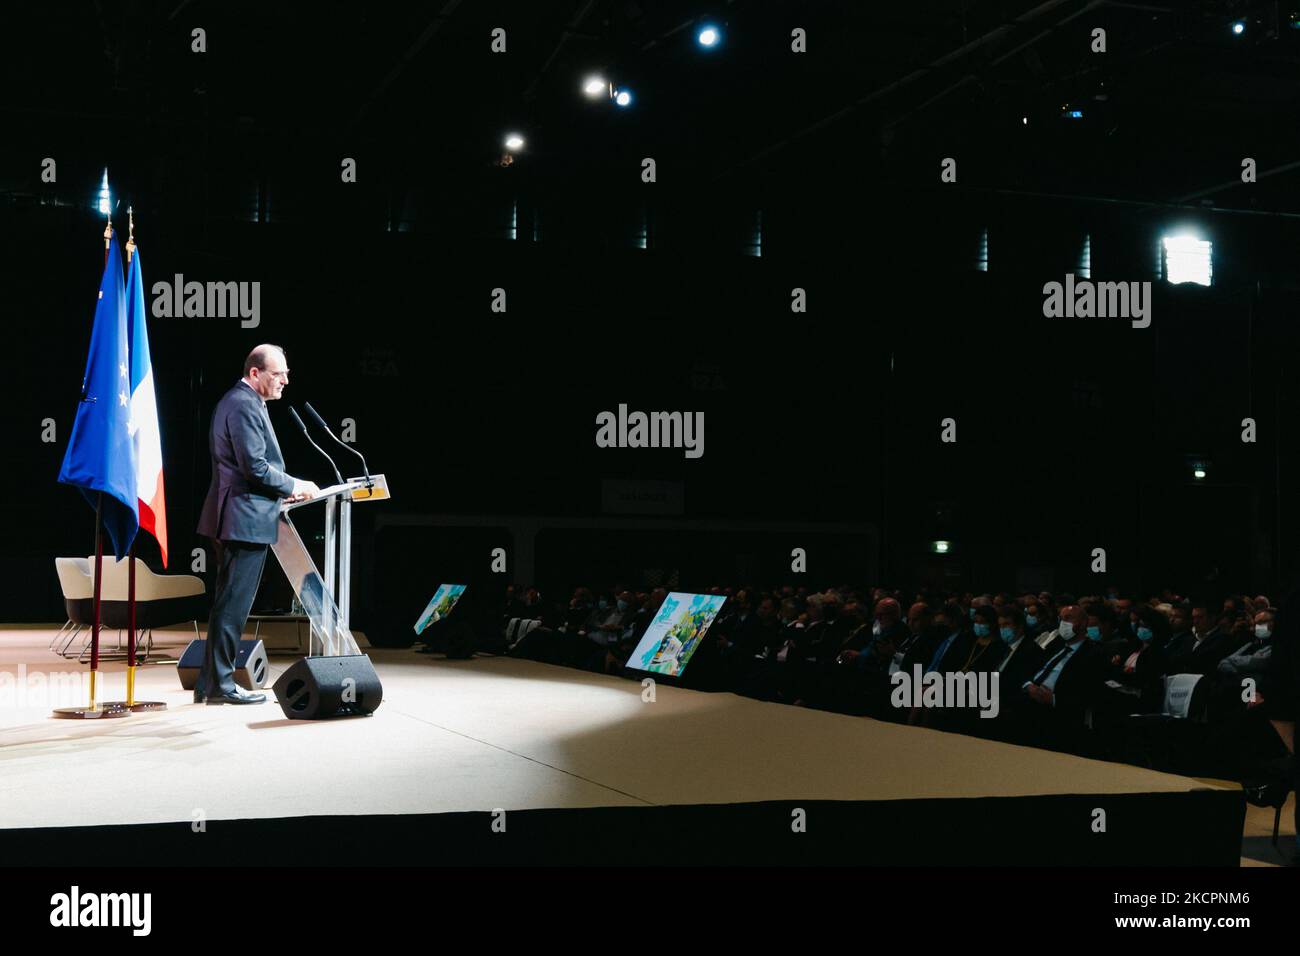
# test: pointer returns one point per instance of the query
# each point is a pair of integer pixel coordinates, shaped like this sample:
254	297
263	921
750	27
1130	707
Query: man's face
269	382
1200	620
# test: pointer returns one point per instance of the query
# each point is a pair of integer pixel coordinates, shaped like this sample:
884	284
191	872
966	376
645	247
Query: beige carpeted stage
456	736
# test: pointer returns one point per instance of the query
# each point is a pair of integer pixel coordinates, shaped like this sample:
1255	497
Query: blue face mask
1094	634
1031	620
602	604
972	614
981	630
1008	634
622	605
1144	634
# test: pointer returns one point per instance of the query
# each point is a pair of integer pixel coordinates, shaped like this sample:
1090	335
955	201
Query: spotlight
1187	258
1198	473
1238	28
594	86
708	37
514	142
623	98
940	547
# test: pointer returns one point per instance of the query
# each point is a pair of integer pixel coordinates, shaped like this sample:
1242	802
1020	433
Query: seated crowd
1079	674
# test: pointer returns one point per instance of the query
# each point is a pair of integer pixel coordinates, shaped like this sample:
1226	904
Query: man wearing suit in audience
1200	651
888	636
926	629
1022	657
864	664
241	512
950	622
1180	629
1054	703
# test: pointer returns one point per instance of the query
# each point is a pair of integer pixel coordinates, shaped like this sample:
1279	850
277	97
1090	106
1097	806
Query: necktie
1051	664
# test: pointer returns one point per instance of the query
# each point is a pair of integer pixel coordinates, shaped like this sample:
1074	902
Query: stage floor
465	738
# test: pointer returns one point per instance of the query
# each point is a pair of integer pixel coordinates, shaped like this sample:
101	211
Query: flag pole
130	556
132	705
99	540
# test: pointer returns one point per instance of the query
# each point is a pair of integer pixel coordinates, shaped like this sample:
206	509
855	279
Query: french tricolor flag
143	424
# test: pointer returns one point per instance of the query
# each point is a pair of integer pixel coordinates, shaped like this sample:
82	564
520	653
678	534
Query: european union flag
101	454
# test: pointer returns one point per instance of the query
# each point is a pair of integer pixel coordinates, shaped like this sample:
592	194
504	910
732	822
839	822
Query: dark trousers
239	569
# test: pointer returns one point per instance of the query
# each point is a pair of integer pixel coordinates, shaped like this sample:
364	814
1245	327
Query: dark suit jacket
921	648
1147	677
248	477
1189	657
1079	683
1026	660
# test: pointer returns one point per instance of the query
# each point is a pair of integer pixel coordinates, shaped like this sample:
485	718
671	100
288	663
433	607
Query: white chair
1180	698
1183	699
518	629
78	586
160	600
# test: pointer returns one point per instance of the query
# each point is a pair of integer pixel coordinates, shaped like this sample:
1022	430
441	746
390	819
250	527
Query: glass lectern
326	601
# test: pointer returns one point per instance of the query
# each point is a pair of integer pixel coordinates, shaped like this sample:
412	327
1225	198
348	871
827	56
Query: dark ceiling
414	91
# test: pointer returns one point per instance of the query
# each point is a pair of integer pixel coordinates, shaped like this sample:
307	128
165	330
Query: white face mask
1263	631
875	628
1067	631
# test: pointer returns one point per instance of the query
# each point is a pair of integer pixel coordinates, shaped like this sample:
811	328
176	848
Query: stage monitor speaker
251	666
314	688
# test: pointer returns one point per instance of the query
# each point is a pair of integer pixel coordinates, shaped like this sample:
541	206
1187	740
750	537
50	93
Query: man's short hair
257	358
1012	613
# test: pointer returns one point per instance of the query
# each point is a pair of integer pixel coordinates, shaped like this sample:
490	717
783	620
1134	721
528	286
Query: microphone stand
338	441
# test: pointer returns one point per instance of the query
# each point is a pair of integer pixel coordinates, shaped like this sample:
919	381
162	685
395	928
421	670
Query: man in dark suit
1210	641
241	512
1054	703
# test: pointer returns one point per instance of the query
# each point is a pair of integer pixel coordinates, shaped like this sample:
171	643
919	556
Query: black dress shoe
238	697
198	696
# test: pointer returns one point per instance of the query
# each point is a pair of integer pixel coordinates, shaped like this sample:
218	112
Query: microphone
335	467
321	422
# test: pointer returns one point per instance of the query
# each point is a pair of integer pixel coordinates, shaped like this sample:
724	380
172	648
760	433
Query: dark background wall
1072	434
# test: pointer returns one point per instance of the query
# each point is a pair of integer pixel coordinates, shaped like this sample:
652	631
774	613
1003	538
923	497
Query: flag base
131	703
136	706
89	713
